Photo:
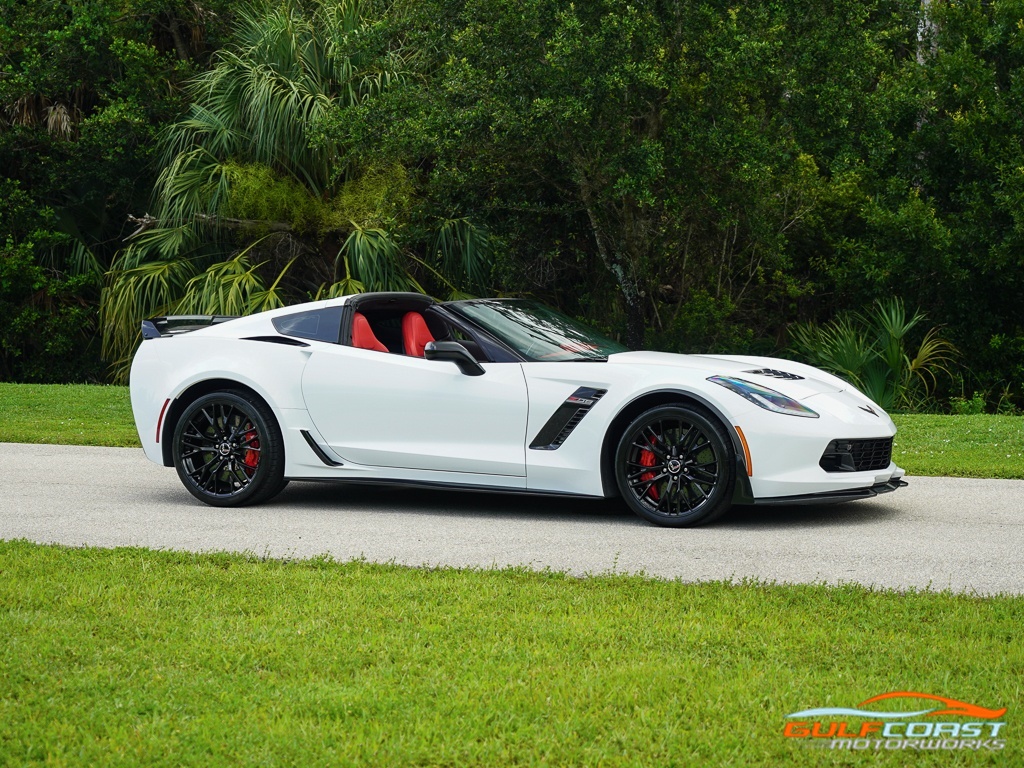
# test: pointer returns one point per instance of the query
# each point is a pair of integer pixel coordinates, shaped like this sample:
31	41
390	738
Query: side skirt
442	486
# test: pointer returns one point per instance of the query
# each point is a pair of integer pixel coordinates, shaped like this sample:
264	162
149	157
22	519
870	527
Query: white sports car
497	395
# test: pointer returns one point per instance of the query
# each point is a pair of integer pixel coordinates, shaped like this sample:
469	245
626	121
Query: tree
249	211
657	141
84	87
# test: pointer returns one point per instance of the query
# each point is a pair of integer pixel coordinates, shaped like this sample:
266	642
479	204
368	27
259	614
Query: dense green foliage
250	213
690	176
653	154
84	90
182	659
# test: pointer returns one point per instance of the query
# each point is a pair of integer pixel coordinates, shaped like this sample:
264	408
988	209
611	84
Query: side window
318	324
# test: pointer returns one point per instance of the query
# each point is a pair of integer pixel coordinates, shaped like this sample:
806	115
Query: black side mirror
456	353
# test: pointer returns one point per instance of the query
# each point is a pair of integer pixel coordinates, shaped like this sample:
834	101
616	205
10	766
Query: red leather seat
362	335
415	333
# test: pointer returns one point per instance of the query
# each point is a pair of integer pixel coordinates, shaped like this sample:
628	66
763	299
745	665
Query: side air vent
776	374
287	341
320	453
857	455
566	418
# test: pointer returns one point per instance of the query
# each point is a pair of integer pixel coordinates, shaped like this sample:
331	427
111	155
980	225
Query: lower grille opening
857	455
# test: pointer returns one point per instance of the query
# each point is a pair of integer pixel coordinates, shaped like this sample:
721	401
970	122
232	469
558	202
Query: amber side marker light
746	452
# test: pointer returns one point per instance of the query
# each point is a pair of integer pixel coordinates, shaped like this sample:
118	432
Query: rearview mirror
456	353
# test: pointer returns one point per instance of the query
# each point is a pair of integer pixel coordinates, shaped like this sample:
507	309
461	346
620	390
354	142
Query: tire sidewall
720	499
268	478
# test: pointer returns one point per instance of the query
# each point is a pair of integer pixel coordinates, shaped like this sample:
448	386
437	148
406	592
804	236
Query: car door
389	410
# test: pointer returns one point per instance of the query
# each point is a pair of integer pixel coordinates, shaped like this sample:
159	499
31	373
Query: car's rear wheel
228	450
675	466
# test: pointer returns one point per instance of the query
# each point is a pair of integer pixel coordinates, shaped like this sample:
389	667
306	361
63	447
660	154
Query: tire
675	466
228	450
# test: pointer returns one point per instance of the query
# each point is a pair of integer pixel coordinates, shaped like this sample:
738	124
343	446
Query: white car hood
813	381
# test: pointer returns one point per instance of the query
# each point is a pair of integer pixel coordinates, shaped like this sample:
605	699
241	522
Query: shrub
871	350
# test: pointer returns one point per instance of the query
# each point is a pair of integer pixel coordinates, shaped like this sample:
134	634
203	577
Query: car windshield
537	332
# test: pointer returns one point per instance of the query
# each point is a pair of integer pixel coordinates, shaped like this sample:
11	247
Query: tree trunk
635	326
179	42
619	266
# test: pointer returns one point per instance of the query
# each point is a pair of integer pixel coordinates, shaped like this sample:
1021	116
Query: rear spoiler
172	325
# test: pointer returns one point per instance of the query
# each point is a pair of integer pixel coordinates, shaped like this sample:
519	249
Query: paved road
966	535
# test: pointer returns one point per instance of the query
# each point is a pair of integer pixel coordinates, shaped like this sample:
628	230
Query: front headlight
768	399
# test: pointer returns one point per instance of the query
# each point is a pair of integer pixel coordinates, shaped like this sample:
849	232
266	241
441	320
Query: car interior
404	326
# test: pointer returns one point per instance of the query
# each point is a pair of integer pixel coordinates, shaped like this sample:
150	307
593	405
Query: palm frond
160	244
223	289
287	69
271	297
82	261
464	251
195	183
934	354
374	260
838	347
345	287
888	320
232	287
133	293
877	383
74	259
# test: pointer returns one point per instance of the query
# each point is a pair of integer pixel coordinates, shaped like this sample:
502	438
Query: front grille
857	455
872	454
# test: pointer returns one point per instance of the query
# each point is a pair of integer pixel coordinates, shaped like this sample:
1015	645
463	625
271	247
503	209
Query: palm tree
245	195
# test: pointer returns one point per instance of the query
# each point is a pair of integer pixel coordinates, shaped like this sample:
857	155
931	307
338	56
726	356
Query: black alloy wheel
675	466
228	450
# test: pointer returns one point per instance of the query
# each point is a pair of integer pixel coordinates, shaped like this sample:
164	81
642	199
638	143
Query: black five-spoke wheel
675	466
228	450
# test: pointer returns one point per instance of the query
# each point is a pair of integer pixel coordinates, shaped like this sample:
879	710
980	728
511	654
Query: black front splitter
833	497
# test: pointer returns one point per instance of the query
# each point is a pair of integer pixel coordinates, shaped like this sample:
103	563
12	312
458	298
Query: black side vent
857	455
286	340
566	418
320	453
776	374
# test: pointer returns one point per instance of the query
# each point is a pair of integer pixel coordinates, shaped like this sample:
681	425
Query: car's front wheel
228	450
675	466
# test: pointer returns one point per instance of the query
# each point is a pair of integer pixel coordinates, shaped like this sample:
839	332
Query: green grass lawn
68	414
961	446
133	657
958	446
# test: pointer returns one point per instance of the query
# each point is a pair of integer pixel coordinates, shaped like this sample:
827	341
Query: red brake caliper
252	456
647	459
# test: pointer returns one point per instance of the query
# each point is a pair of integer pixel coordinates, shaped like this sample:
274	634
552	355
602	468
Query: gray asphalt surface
965	535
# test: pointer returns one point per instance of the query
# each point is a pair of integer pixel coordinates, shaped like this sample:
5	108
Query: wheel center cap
224	449
674	466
